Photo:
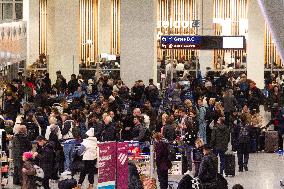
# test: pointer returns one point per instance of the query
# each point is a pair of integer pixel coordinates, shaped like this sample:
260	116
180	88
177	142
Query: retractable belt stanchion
151	160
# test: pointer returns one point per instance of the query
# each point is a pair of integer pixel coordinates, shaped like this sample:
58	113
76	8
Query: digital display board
233	42
202	42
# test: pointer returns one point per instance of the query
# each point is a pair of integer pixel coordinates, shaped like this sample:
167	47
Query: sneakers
281	183
65	173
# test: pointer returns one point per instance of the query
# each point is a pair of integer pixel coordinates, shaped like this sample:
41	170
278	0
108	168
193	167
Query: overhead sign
202	42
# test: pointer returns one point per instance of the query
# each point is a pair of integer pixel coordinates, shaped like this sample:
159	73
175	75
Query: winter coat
138	132
220	138
108	133
185	182
28	181
169	132
90	145
48	131
11	109
46	159
208	169
134	181
73	85
67	129
229	103
20	144
162	156
242	143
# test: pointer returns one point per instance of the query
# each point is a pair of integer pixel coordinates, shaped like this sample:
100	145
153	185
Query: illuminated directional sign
202	42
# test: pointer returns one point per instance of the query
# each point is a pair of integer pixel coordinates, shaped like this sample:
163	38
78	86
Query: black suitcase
230	165
67	184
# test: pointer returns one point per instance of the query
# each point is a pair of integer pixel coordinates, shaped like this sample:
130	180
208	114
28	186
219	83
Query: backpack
244	134
67	184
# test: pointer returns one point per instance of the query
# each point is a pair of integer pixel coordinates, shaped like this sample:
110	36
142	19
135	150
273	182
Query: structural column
138	40
255	44
206	28
31	16
63	37
104	39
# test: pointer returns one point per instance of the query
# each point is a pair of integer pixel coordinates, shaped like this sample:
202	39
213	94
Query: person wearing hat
89	146
28	171
208	168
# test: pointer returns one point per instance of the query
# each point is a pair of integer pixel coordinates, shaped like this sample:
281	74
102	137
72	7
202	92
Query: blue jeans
68	146
202	132
221	154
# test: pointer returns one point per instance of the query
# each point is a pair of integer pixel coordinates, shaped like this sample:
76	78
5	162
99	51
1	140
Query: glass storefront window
19	10
11	10
7	11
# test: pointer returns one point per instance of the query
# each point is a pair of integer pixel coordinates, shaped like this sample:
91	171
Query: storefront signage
178	24
107	165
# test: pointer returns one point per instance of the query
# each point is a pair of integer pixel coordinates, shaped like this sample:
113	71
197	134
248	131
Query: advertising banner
107	165
122	165
134	150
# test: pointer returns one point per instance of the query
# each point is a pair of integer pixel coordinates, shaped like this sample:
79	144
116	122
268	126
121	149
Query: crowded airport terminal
141	94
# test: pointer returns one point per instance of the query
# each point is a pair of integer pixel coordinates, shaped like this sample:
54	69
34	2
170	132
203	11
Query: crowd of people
57	127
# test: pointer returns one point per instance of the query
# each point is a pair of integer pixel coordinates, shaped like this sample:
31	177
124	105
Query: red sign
122	166
107	164
134	150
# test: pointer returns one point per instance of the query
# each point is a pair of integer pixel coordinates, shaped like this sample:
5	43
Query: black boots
246	167
241	169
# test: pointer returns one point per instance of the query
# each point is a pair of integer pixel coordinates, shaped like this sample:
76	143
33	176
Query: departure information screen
202	42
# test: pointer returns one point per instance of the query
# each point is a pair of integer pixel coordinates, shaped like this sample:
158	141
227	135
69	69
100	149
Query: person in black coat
208	169
243	143
11	107
134	181
162	160
20	144
108	132
59	154
169	130
139	129
45	156
73	84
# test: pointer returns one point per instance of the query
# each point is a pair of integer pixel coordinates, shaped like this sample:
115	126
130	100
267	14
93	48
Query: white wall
63	37
206	28
138	40
104	30
31	16
255	44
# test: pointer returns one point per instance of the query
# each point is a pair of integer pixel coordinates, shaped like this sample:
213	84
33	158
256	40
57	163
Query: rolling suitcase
271	141
230	165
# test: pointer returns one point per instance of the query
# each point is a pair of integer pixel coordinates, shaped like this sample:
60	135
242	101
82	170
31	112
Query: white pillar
255	44
206	28
63	37
104	30
31	16
138	40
